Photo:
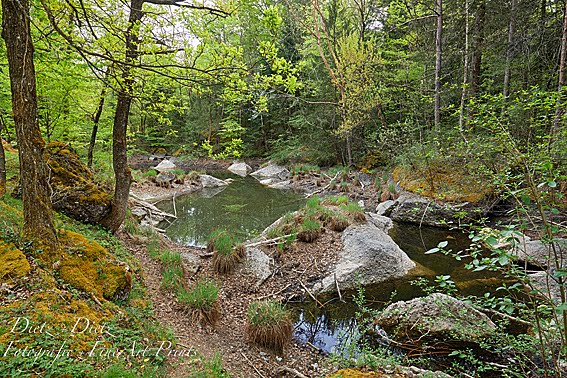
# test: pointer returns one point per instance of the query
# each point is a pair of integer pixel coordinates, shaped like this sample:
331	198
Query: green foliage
209	368
172	278
202	296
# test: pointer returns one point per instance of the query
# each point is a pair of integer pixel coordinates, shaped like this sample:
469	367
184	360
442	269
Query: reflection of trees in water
323	331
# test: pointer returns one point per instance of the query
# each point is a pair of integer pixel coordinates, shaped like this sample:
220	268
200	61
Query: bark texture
122	173
438	61
38	215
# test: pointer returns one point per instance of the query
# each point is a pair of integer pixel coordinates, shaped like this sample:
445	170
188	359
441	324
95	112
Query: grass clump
338	223
354	210
172	278
310	230
227	252
201	302
269	324
171	258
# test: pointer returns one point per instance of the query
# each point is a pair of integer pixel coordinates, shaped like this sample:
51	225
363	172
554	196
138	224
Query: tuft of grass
172	278
171	258
336	201
310	230
269	324
226	252
201	302
338	223
150	173
354	210
209	368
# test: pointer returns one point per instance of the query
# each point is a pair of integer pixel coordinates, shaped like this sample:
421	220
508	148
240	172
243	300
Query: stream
247	208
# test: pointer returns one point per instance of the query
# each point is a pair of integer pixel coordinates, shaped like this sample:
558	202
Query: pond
245	207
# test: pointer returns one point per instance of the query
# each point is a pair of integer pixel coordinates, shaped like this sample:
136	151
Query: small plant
338	223
171	258
269	324
209	368
201	302
310	230
336	201
354	210
172	278
226	252
150	173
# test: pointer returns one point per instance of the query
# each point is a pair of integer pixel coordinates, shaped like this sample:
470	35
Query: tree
2	160
438	61
38	215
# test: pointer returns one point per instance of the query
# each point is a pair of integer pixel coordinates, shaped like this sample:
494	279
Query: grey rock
538	253
369	256
281	185
241	169
275	172
385	208
545	285
412	208
165	179
258	264
165	166
435	317
208	181
382	222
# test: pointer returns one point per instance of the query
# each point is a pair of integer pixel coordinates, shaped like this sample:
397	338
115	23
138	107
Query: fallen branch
152	210
310	294
324	188
338	289
286	369
253	366
273	294
268	241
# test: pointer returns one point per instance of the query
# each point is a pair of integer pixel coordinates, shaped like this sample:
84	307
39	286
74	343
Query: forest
449	116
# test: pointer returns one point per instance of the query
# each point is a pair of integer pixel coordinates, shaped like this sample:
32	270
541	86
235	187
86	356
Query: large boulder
369	256
165	166
240	169
437	317
412	208
274	172
75	191
539	253
211	182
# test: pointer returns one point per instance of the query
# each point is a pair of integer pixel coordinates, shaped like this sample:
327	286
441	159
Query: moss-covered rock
87	266
13	263
76	193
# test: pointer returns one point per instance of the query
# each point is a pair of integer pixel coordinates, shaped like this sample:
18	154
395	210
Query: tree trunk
509	51
478	46
438	52
96	119
2	168
122	174
560	112
465	75
38	215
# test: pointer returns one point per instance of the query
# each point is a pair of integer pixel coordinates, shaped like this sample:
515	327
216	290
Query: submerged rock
436	317
211	182
241	169
369	256
275	172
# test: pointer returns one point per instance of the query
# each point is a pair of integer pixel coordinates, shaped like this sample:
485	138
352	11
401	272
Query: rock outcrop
208	181
437	317
274	172
369	256
240	169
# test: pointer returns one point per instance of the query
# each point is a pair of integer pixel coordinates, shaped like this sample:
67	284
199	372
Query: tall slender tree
438	61
38	214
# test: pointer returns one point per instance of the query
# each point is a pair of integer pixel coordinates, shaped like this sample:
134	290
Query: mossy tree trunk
38	215
122	174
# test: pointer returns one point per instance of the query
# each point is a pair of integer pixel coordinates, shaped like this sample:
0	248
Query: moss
443	182
13	263
87	266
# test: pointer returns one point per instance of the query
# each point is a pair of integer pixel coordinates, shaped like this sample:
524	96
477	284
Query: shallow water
244	207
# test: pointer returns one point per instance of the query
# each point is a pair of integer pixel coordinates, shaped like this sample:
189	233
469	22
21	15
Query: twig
324	188
273	294
338	289
287	369
310	294
251	364
174	207
313	346
268	241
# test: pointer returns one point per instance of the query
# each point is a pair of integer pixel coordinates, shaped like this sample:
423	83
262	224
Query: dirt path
238	290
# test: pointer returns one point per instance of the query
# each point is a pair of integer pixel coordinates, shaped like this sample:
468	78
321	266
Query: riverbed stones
369	256
240	169
437	317
208	181
274	172
165	179
165	166
385	208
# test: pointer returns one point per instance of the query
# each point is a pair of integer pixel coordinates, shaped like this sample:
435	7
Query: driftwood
253	366
151	209
268	241
311	294
322	189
